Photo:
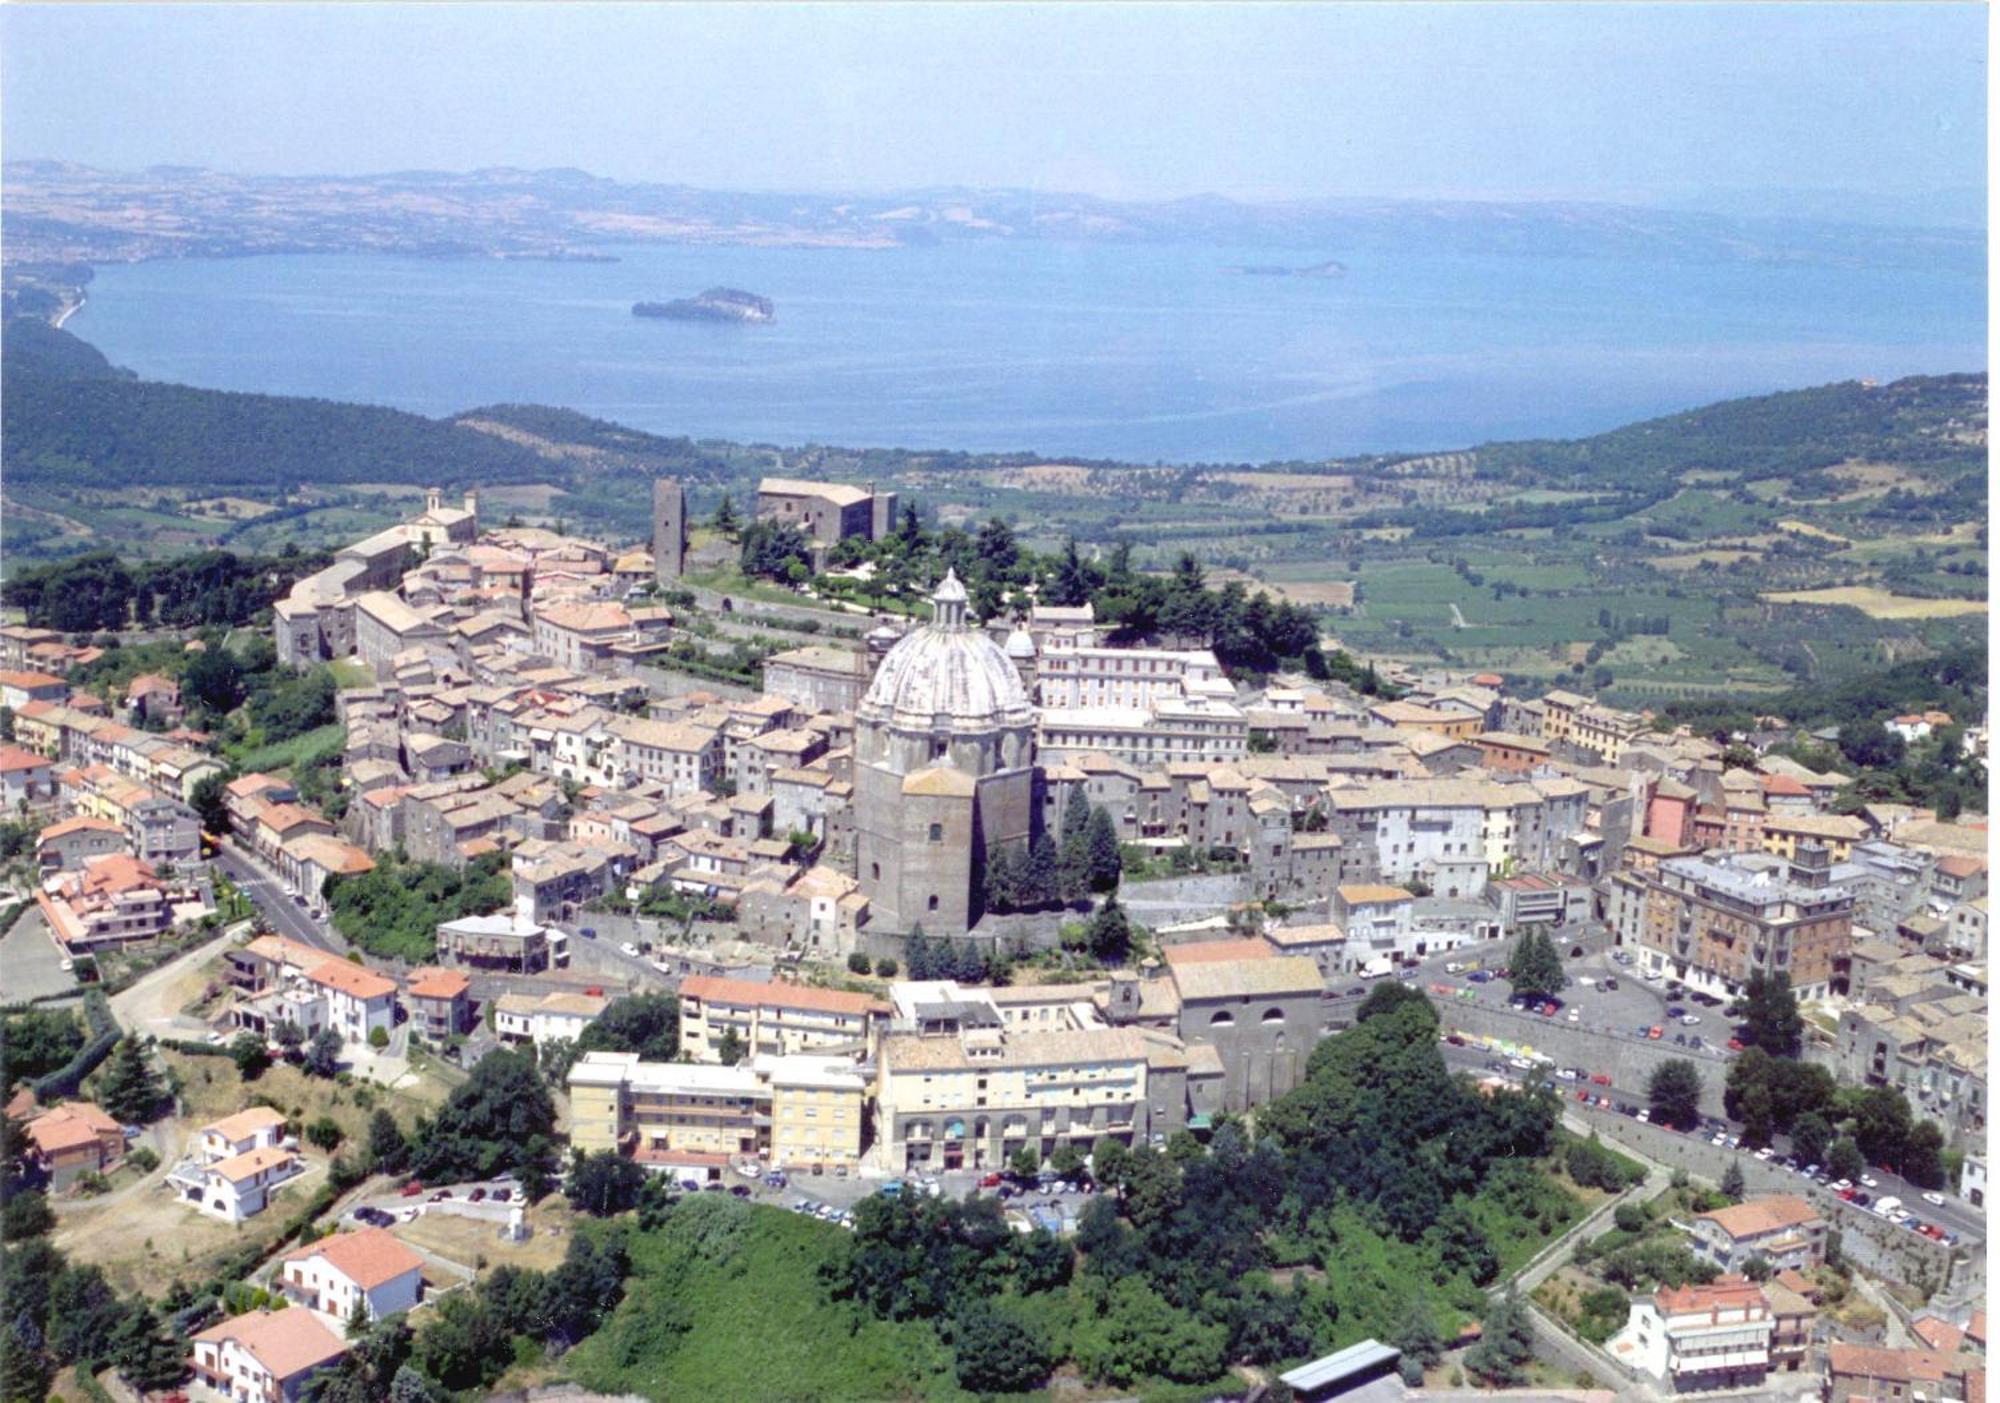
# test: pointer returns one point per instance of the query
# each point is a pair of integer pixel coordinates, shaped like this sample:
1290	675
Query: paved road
274	903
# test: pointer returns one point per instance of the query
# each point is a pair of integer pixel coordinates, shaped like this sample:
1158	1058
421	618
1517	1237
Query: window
1223	1019
937	832
875	871
933	904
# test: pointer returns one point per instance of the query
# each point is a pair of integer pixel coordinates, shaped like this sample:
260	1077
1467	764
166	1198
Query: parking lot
1631	1010
33	960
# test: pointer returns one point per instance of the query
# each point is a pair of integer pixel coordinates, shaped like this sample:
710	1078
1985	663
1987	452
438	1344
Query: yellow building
791	1111
1604	733
1838	833
774	1018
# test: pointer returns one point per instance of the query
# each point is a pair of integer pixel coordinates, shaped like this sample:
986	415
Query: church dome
946	676
1021	645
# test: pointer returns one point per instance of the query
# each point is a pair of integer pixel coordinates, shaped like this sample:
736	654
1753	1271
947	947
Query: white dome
1020	644
946	676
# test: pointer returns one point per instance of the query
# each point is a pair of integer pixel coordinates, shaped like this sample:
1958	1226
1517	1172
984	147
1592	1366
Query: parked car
741	1191
1736	1044
1478	976
1934	1200
502	1195
628	948
589	933
990	1181
440	1196
477	1196
1688	1020
1611	982
412	1189
1655	1032
1675	1010
1869	1181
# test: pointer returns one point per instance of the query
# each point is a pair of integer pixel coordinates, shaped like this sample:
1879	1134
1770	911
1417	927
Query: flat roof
1342	1364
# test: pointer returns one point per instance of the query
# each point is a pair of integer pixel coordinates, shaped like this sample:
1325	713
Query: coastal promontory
718	304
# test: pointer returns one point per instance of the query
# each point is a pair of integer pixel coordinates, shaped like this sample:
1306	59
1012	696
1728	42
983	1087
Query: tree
1003	880
129	1091
1758	1268
1810	1137
1771	1017
857	963
1535	968
1026	1162
325	1133
1107	1162
1067	1161
730	1048
501	1118
725	520
1732	1181
250	1054
604	1183
1041	882
1844	1161
648	1024
1417	1337
1923	1156
323	1054
1674	1093
213	681
290	1036
1110	932
1101	845
1073	857
885	968
998	1348
25	1214
378	1037
387	1150
209	800
1506	1344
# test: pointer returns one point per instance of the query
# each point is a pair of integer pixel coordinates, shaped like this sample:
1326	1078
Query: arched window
1274	1015
1223	1019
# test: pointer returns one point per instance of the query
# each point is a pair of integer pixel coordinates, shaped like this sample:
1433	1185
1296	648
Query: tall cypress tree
1073	861
1101	843
1002	880
129	1091
1041	880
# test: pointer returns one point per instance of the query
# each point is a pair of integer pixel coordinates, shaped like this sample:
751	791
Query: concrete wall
1629	1061
1172	900
1877	1247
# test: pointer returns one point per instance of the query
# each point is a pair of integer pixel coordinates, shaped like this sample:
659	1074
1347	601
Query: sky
1676	103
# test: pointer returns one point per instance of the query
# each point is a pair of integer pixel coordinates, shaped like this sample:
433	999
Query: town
969	896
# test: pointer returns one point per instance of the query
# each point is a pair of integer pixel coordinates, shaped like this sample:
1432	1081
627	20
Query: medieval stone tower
670	536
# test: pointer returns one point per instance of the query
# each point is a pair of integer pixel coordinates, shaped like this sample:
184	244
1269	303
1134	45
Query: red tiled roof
714	988
367	1258
351	979
285	1342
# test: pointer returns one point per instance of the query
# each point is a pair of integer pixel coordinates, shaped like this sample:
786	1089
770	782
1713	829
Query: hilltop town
963	893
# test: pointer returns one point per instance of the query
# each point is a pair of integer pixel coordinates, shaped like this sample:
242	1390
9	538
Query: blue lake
1087	350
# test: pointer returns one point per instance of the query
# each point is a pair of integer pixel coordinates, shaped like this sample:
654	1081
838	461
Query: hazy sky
1557	101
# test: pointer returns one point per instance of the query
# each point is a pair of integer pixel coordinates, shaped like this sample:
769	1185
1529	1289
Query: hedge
65	1080
194	1049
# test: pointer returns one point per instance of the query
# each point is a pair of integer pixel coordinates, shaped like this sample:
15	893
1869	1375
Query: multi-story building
828	512
253	1128
371	1268
27	780
972	1094
775	1019
264	1356
358	1001
1856	1372
1071	673
1262	1017
1697	1338
509	942
682	758
818	677
1712	922
439	1002
1175	730
111	901
1931	1049
794	1111
546	1018
238	1187
1783	1229
68	1141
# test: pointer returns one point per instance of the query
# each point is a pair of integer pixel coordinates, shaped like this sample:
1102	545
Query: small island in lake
1332	268
718	304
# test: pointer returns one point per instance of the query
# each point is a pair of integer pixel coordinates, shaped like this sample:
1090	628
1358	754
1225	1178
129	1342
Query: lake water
1091	350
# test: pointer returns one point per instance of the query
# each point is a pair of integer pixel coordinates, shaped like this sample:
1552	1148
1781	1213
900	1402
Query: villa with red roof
264	1355
25	779
68	1141
370	1267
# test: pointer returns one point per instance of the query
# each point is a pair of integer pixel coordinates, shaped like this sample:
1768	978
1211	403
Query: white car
1574	1017
630	949
1868	1182
1764	1153
1934	1200
1688	1020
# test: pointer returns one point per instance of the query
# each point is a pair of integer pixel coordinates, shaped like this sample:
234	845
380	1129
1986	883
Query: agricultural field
1881	604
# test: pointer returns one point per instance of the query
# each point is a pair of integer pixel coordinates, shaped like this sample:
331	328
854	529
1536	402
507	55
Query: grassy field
1879	603
267	758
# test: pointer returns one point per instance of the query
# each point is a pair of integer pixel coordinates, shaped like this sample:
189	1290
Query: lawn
264	759
351	672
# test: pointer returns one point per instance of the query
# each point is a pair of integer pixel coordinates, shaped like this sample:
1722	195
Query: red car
1736	1044
1654	1031
1847	1195
412	1189
991	1181
1601	1078
1583	1096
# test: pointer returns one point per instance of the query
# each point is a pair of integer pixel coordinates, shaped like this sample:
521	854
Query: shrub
378	1038
857	963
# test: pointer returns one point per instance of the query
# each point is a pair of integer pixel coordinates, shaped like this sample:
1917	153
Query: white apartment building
1698	1338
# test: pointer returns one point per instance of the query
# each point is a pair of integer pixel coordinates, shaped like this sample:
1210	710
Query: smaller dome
1020	644
949	590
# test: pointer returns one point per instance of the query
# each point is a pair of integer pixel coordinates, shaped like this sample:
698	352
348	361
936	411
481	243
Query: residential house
264	1356
1783	1229
1695	1339
27	780
439	1003
76	1138
774	1019
371	1268
253	1128
548	1018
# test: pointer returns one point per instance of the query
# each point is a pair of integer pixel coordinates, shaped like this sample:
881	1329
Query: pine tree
129	1091
1110	932
1041	883
1732	1181
386	1147
1101	843
917	955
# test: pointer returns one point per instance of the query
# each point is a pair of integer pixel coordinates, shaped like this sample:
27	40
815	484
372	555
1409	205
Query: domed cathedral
943	768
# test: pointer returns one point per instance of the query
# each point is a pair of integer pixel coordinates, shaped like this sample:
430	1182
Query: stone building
943	770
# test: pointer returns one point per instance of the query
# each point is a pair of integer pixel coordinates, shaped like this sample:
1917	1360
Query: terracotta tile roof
70	1126
1207	951
285	1342
351	979
13	757
245	1123
82	823
1865	1361
1941	1335
436	984
368	1257
251	1163
1724	1293
29	679
1763	1215
714	988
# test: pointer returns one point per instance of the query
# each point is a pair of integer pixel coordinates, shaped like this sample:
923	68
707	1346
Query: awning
1199	1122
